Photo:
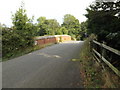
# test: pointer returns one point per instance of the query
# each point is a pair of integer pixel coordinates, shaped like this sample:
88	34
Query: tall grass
91	71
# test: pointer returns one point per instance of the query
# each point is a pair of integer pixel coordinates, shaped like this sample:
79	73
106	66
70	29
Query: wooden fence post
90	45
103	50
103	54
102	58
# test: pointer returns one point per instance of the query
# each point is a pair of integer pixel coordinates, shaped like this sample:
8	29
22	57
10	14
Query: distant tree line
70	26
21	35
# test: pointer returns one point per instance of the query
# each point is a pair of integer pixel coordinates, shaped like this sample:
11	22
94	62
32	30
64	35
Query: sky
51	9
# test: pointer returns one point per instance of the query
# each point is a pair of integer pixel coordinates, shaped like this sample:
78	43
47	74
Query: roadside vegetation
18	39
94	76
103	19
27	50
103	22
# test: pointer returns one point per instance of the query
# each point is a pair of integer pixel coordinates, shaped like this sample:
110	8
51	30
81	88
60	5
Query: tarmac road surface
50	67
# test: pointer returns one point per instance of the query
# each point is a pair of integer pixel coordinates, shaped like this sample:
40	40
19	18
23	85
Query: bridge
50	67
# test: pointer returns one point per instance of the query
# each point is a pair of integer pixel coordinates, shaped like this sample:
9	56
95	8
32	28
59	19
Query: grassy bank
24	51
94	76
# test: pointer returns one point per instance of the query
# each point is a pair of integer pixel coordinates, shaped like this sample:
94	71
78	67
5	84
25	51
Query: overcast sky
51	9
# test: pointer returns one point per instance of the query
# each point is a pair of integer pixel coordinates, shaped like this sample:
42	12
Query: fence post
103	54
90	45
104	51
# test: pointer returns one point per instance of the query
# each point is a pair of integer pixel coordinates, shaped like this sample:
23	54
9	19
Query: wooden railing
100	54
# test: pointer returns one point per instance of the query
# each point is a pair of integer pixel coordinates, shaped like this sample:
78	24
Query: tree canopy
104	21
19	36
47	26
71	24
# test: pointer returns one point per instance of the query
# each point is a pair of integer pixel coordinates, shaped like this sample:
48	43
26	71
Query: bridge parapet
42	40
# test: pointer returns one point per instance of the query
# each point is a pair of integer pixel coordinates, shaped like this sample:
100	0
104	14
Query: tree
103	22
64	30
53	27
71	24
41	20
10	41
24	26
48	26
42	26
68	18
83	31
20	36
20	19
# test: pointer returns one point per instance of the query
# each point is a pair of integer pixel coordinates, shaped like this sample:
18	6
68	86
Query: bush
13	41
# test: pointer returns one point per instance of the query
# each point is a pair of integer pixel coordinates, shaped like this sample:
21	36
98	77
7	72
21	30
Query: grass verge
24	51
94	76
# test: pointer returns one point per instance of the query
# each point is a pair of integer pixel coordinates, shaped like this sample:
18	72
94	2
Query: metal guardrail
96	54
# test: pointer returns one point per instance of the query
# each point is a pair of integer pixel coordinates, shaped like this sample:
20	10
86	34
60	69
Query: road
50	67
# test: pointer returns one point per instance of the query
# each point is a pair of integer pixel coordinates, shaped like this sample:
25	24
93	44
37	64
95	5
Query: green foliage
53	27
42	26
63	30
24	26
59	32
91	73
83	27
48	26
83	31
10	41
104	21
20	36
20	19
94	76
71	24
